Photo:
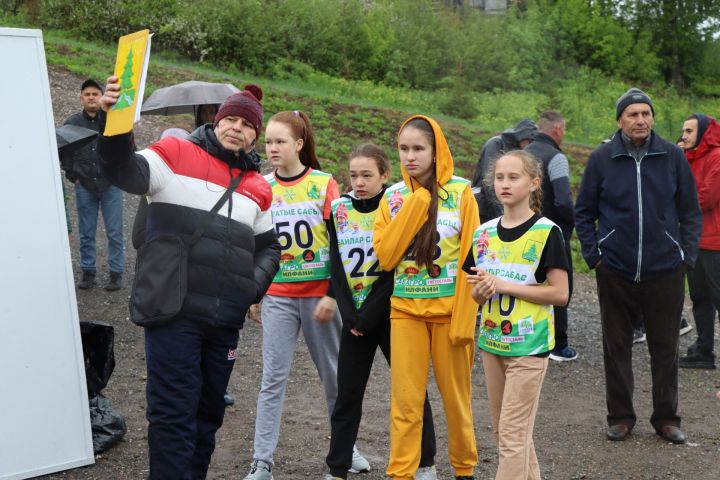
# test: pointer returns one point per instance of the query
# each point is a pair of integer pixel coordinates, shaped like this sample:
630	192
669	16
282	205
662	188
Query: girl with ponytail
302	197
520	273
423	231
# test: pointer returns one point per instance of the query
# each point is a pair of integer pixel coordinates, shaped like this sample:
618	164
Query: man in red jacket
701	140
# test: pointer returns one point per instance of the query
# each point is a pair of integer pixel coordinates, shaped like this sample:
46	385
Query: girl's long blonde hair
532	167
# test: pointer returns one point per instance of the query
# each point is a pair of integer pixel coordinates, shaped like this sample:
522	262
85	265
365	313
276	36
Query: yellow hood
443	157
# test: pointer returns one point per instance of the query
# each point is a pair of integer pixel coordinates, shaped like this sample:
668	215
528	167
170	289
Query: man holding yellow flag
207	191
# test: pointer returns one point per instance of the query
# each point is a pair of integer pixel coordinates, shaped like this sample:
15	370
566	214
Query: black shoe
672	434
115	282
466	477
617	432
229	399
697	359
88	280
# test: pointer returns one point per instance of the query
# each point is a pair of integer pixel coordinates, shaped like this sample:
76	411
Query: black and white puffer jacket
234	262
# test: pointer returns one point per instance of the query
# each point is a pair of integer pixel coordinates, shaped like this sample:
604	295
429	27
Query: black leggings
354	364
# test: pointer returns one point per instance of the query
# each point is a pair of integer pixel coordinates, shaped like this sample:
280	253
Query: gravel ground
569	431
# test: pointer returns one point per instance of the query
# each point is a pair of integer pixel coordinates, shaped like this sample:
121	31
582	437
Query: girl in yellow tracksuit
423	231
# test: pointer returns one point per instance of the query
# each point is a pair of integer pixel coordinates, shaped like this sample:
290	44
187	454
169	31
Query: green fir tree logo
450	202
127	89
531	253
313	192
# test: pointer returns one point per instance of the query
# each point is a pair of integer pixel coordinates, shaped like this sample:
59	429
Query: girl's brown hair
532	167
301	128
425	245
374	152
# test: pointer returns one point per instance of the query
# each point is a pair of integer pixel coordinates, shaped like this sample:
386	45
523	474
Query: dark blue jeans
188	368
88	204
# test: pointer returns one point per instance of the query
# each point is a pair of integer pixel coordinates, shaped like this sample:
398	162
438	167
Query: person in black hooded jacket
514	138
362	291
190	357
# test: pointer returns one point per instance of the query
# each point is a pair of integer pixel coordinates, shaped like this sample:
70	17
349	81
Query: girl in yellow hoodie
423	231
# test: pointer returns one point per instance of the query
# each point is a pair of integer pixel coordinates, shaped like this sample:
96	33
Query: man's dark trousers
355	361
188	368
704	282
659	300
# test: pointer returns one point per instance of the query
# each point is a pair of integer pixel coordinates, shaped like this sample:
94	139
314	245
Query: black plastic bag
98	342
108	425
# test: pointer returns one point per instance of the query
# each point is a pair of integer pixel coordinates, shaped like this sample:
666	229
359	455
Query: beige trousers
513	385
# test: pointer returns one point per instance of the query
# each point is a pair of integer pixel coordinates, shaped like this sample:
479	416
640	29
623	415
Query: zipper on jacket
640	217
640	212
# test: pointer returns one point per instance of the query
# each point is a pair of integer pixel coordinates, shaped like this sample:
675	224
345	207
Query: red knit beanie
245	104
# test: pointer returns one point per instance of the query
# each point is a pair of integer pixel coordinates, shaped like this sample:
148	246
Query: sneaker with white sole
259	470
685	327
639	335
564	354
426	473
359	464
330	477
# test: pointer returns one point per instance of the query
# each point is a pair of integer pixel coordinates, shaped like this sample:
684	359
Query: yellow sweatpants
413	343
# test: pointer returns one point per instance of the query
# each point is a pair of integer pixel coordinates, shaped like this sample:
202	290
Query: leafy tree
679	30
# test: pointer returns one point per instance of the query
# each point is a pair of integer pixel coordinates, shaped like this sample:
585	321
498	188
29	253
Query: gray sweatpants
282	320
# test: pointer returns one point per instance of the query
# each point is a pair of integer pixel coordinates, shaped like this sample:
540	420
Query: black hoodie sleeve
120	164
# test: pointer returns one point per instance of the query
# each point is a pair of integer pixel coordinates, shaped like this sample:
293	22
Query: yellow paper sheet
133	56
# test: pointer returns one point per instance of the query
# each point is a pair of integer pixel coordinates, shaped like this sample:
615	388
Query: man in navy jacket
639	222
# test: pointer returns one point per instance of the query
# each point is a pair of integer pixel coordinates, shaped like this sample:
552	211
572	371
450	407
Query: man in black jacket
190	357
93	192
557	206
638	220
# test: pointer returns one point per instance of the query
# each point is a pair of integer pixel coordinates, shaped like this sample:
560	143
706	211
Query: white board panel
44	419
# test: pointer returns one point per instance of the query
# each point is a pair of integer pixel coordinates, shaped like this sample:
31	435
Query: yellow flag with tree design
133	56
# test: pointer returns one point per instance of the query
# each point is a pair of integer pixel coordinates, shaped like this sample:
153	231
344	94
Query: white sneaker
426	473
259	470
359	464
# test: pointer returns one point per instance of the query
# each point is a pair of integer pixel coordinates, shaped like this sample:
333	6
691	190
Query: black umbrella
72	137
184	97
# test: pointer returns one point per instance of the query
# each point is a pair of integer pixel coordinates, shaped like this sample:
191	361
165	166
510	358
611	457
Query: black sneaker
115	282
88	280
685	327
229	399
696	359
